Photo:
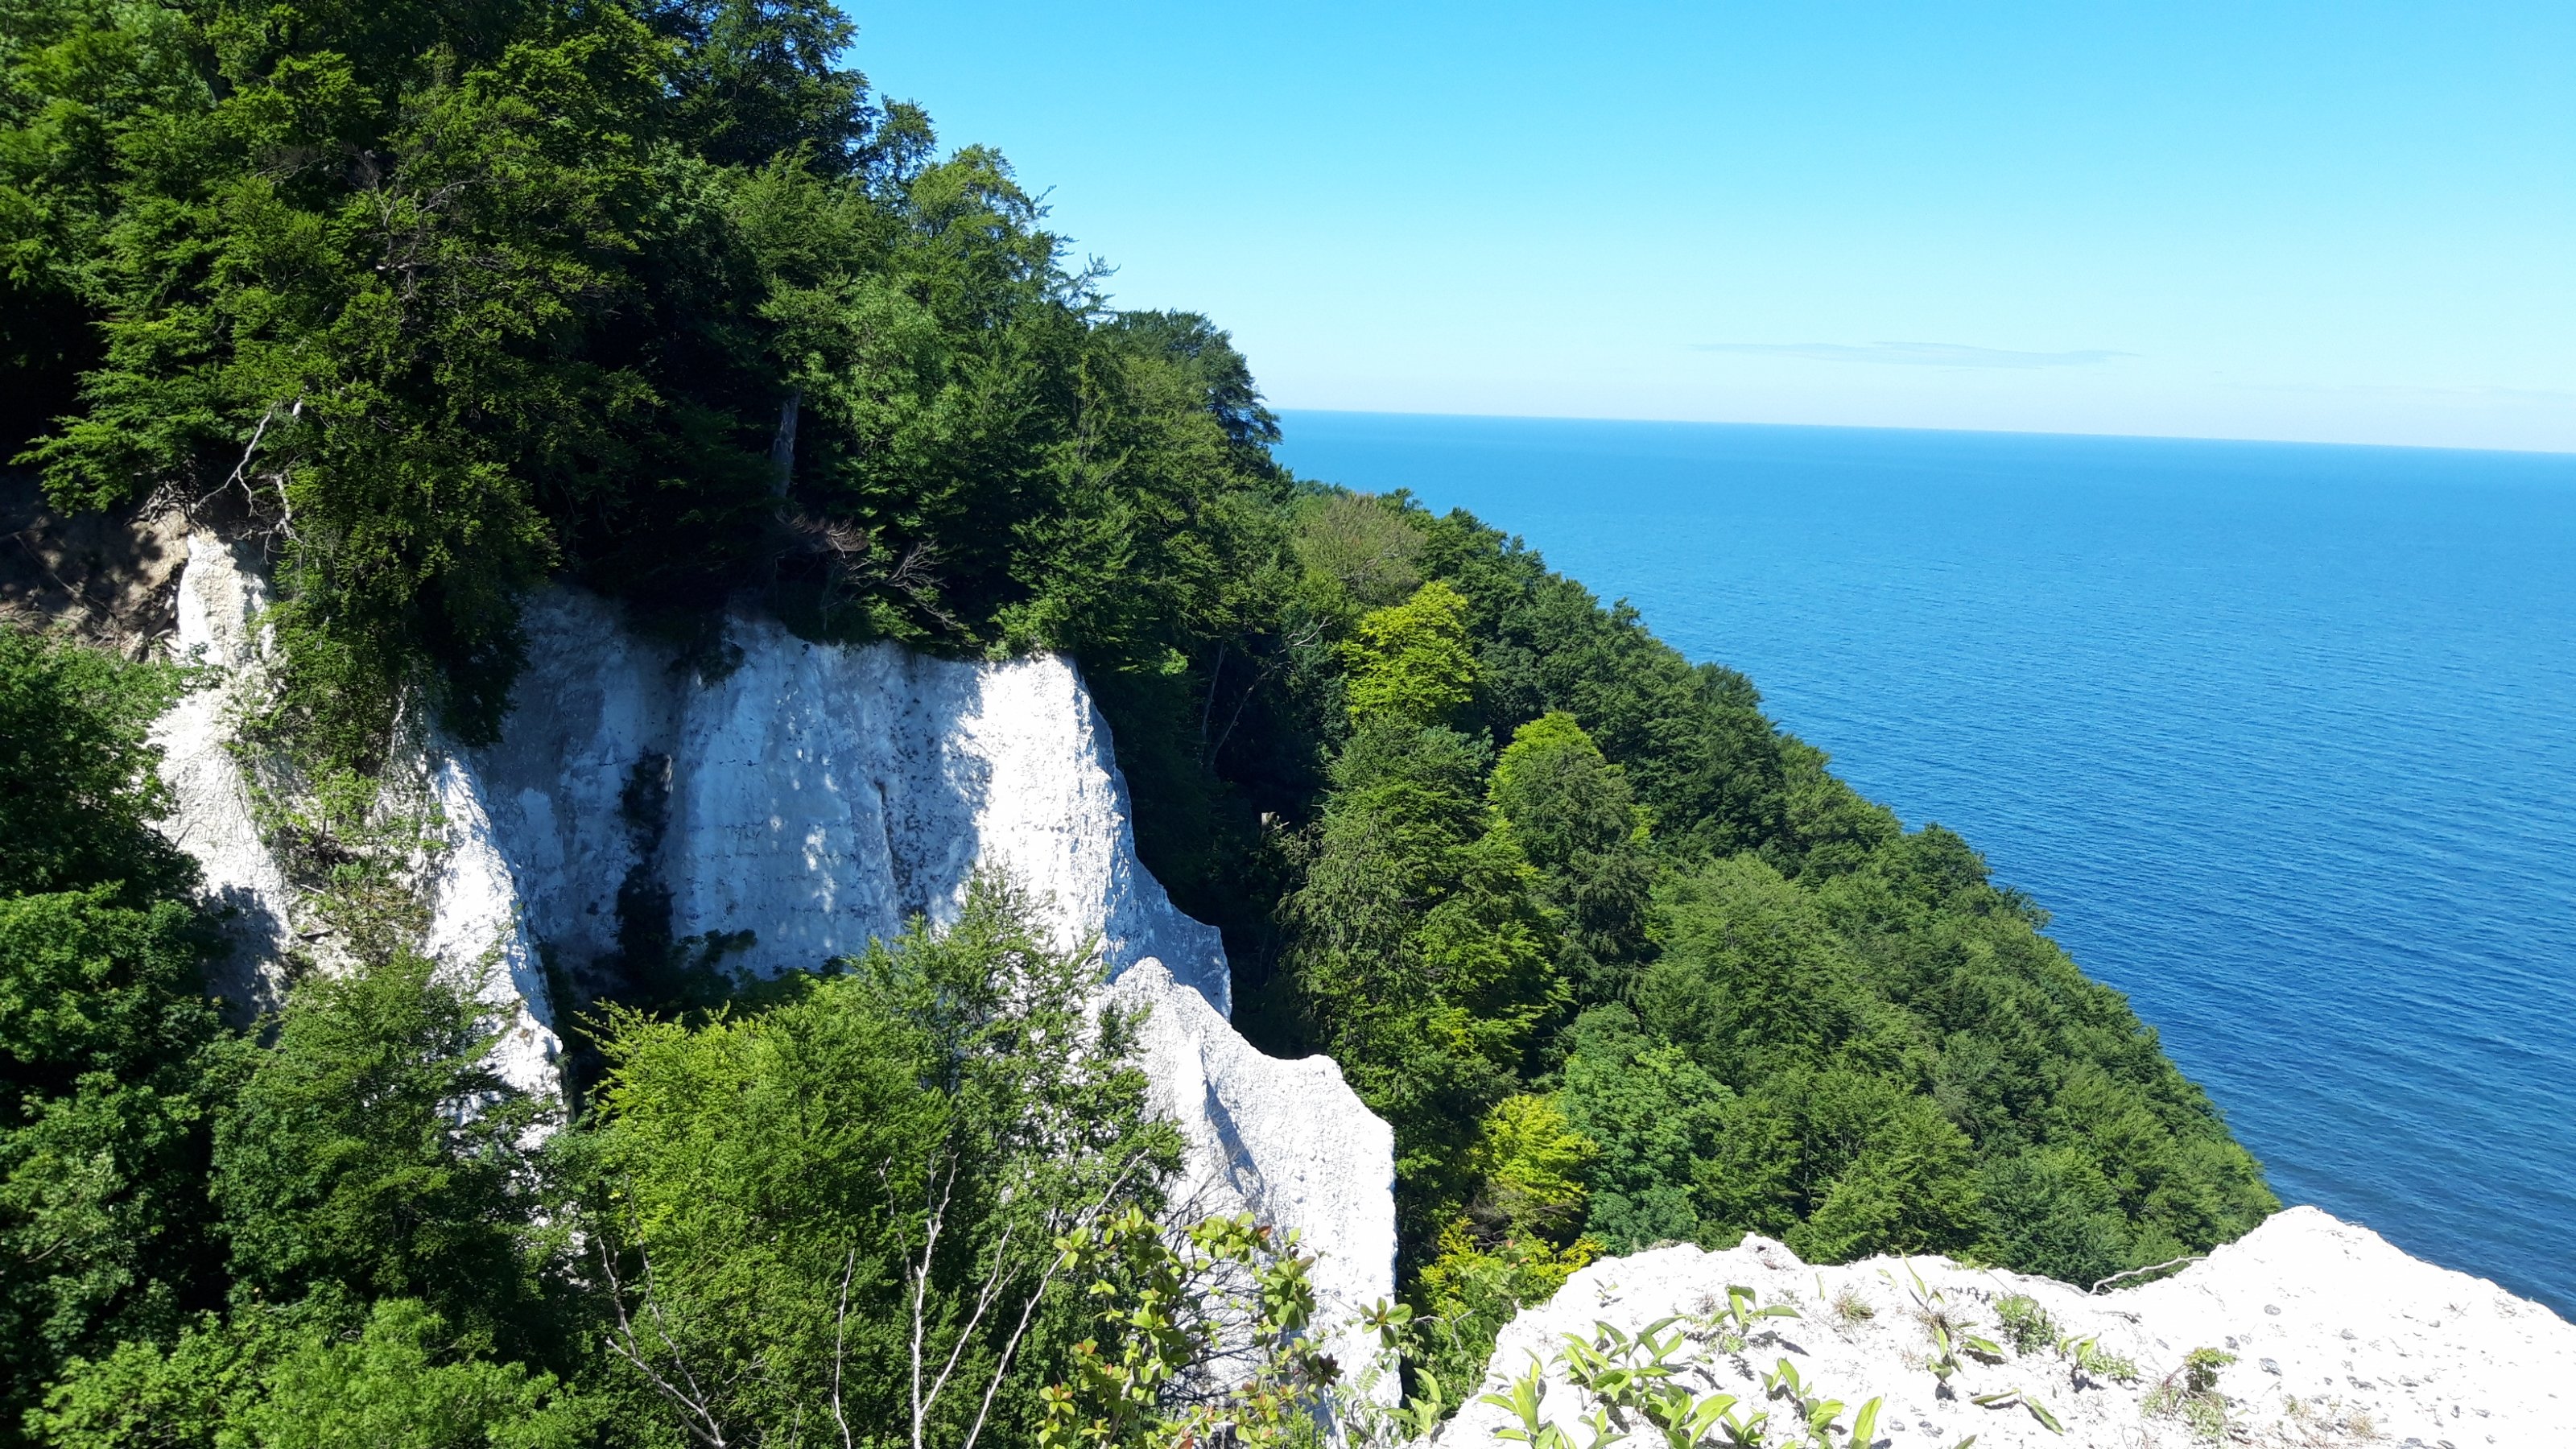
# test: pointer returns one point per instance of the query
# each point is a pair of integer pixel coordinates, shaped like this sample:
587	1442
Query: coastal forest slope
434	303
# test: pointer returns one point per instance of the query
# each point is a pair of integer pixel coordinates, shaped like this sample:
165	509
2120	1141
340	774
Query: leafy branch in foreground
1202	1339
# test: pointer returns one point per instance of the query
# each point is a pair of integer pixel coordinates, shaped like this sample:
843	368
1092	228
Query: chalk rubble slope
2340	1339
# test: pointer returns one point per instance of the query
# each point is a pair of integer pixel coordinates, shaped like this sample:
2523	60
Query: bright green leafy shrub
1409	663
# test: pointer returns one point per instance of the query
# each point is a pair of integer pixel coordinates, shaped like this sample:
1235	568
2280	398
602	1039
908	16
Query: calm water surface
2285	736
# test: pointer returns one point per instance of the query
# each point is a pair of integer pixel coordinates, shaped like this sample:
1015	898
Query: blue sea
2283	735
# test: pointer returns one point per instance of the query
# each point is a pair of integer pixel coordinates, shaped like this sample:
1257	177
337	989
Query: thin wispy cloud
2475	392
1913	354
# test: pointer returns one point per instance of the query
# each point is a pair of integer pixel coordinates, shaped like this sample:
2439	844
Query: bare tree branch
702	1422
840	1337
932	1225
1029	1307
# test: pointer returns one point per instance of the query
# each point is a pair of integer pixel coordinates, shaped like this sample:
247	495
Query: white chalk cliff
2337	1338
813	795
474	930
1286	1141
786	809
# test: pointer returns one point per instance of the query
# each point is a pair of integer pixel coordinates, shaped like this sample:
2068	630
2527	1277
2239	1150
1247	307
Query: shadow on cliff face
648	969
108	578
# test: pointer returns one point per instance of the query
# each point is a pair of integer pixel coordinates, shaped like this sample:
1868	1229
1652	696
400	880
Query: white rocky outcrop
1286	1141
479	930
475	927
2337	1337
786	809
220	596
813	795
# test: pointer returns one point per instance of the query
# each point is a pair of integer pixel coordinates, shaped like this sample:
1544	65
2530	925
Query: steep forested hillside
439	301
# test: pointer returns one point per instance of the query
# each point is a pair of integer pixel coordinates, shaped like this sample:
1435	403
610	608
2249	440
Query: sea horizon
1285	412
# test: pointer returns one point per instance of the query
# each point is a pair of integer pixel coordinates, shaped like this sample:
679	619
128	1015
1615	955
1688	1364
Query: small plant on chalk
1630	1387
1849	1307
1818	1417
1731	1325
2327	1421
2086	1357
1948	1332
2190	1394
1623	1371
1525	1399
1624	1388
2017	1398
2025	1324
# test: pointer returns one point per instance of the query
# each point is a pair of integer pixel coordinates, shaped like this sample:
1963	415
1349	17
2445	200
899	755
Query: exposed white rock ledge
475	931
2339	1338
220	597
1287	1141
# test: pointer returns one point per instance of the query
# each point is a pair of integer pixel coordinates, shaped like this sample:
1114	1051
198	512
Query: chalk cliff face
1285	1141
2337	1338
476	929
812	796
218	605
777	813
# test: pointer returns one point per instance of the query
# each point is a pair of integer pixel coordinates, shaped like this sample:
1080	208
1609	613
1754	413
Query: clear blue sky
2344	222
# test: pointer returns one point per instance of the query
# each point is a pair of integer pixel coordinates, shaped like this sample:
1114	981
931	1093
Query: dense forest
439	301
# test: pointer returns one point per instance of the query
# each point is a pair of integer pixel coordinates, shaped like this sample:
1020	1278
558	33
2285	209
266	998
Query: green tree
1656	1117
77	78
105	1044
107	1039
755	79
1200	1336
1364	548
845	1209
373	1153
187	1393
401	1384
1571	812
263	1380
1692	737
1752	976
1425	964
77	789
1410	663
